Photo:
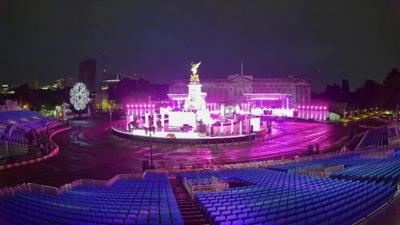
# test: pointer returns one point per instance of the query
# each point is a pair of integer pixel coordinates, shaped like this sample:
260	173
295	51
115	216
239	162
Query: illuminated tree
79	96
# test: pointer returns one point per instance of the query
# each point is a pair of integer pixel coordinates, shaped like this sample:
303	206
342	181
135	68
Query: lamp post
249	119
151	128
110	113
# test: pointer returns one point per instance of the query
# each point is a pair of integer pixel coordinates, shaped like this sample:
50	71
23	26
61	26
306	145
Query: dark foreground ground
88	150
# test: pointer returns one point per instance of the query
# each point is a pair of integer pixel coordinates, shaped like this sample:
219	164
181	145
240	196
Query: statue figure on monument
194	77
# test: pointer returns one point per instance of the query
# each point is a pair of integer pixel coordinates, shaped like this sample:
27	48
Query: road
88	150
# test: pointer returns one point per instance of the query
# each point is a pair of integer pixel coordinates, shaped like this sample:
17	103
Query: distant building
102	102
87	73
35	85
6	89
237	88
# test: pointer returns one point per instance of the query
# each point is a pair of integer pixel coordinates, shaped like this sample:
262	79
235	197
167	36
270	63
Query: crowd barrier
216	185
52	153
325	171
369	153
48	190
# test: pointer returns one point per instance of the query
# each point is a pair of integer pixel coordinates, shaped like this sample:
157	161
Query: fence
216	185
324	171
48	190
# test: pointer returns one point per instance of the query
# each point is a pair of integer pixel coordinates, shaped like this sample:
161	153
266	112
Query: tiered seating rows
147	201
392	132
347	161
376	137
25	119
386	170
281	198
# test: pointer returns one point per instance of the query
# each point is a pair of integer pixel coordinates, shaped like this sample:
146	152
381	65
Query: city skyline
324	42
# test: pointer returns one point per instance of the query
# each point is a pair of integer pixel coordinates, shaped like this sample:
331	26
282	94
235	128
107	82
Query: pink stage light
266	98
325	107
127	106
136	105
153	106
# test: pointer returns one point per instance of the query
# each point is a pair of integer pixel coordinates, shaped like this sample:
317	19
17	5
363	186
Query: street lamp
249	119
150	129
110	113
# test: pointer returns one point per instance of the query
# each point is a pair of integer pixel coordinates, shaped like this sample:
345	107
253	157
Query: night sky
324	40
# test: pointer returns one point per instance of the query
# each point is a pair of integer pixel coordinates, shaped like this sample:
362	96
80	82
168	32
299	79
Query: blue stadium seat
277	197
147	201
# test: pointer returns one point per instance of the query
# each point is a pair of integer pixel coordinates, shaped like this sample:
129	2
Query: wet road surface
88	150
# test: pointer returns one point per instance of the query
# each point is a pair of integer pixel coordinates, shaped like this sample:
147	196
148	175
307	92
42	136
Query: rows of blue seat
20	116
280	198
25	119
17	136
347	161
392	132
396	152
146	201
386	170
15	124
375	137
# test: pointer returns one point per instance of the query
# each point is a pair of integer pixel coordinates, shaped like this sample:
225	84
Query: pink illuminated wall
312	112
139	109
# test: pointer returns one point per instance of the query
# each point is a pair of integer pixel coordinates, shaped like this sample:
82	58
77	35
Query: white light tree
79	96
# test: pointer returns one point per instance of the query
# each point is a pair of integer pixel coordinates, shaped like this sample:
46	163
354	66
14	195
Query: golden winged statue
194	77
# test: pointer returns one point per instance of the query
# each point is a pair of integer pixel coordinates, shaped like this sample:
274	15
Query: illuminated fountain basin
176	137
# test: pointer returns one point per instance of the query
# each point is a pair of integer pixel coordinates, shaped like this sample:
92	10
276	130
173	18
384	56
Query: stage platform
181	137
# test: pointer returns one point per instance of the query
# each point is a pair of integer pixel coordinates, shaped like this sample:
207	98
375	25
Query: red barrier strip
54	152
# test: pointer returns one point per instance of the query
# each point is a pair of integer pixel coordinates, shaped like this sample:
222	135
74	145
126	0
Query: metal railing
49	190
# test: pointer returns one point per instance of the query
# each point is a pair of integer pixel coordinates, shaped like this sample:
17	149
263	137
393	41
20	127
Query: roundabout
90	150
181	137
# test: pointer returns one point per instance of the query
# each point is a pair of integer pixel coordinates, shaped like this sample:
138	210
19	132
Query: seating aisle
273	197
189	209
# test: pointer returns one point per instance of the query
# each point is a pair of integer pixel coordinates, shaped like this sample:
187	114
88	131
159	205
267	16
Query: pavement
89	151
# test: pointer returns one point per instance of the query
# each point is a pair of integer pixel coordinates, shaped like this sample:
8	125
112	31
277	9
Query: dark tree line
371	94
38	98
126	91
137	91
